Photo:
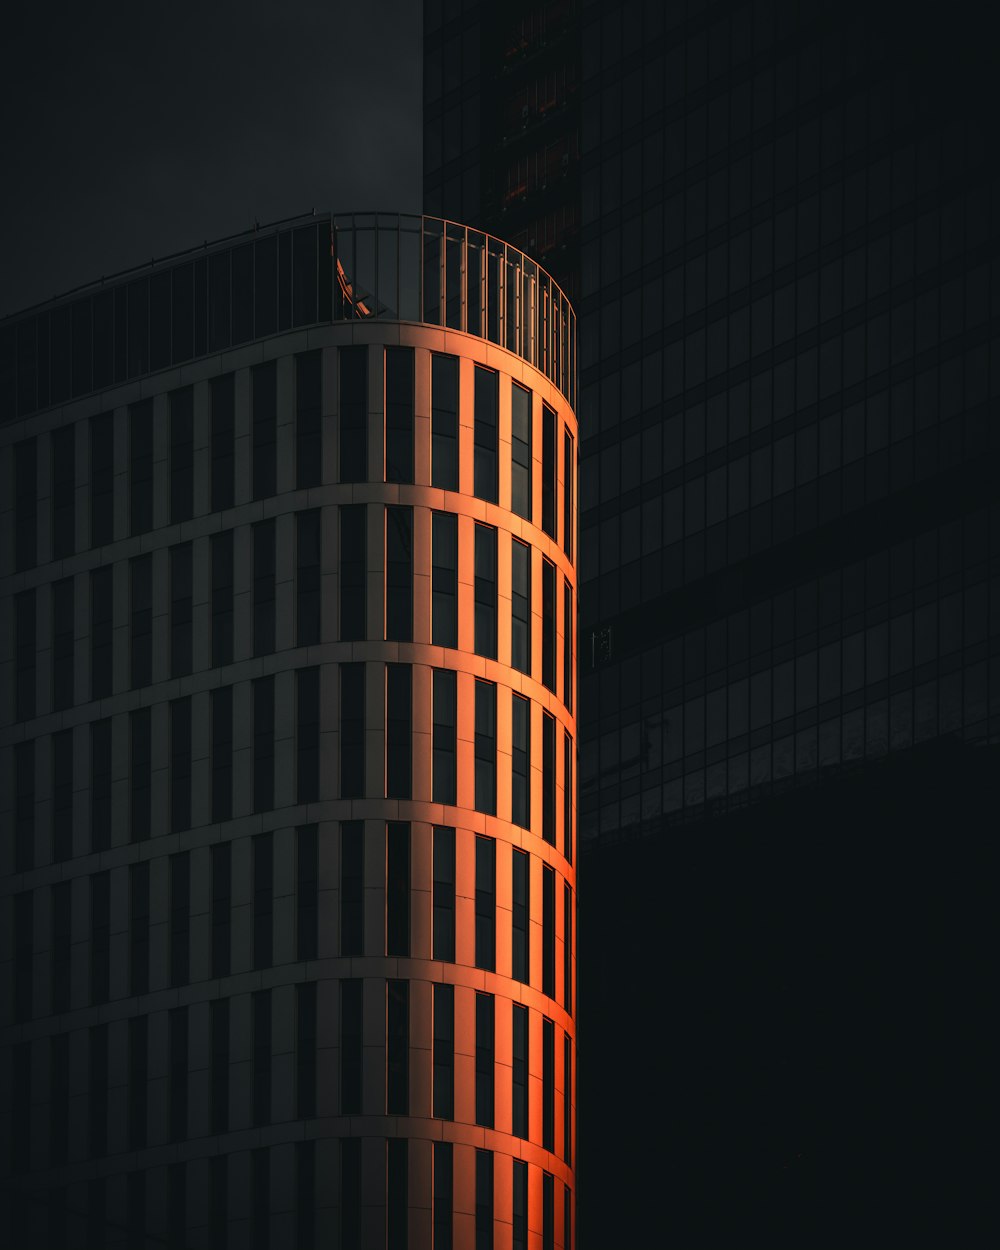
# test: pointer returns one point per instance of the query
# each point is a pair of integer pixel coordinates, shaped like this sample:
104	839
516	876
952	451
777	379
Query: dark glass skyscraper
786	278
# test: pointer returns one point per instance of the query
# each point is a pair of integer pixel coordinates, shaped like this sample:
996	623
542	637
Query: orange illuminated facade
323	916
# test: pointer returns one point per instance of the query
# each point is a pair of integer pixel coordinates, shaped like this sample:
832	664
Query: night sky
134	131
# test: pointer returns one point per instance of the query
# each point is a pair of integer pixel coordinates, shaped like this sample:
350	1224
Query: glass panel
432	272
453	277
474	273
512	284
243	293
304	277
265	281
493	294
388	296
409	268
364	274
343	298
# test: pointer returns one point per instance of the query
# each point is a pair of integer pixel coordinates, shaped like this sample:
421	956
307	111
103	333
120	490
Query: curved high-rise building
288	679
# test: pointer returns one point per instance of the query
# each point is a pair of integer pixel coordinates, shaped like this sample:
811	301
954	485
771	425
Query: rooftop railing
289	275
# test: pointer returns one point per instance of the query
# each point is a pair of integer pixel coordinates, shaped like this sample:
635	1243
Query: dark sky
137	130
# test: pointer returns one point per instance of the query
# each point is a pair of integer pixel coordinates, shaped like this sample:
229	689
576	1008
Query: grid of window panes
788	508
395	267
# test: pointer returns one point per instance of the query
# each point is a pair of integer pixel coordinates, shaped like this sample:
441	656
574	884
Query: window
352	731
140	570
101	632
548	1212
486	747
264	402
520	798
444	422
353	559
219	1043
549	625
444	745
222	892
485	1047
261	1057
138	928
569	464
548	1085
177	1203
222	599
222	401
396	1193
397	888
350	1191
568	797
306	892
520	1205
25	651
180	610
308	420
548	931
62	644
443	937
63	492
218	1204
102	479
137	1088
399	574
568	646
353	414
520	916
397	1046
263	588
24	913
484	1200
178	1061
485	642
305	1049
222	753
548	471
520	451
485	435
181	455
97	1089
567	1098
398	730
140	468
444	1050
486	857
62	795
61	901
399	414
568	947
100	784
180	918
443	1194
140	774
520	597
58	1099
263	744
180	764
352	896
444	579
519	1112
24	806
25	505
263	900
350	1046
307	734
549	778
307	575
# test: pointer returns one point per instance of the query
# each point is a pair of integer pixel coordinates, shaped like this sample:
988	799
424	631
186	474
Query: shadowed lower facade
289	748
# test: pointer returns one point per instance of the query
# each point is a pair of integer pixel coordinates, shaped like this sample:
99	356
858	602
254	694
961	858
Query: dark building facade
787	276
288	747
